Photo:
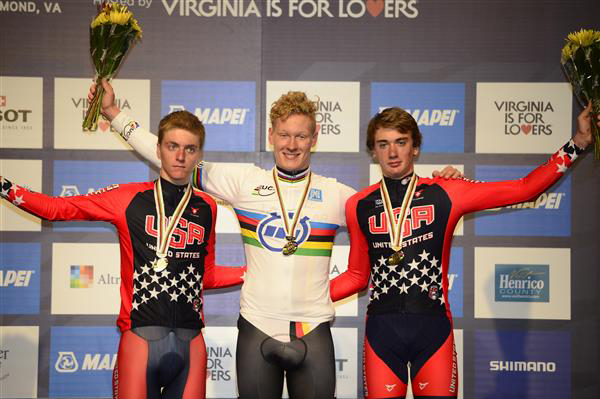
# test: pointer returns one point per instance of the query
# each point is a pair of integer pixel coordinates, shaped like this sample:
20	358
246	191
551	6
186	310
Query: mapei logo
523	366
544	201
67	362
15	278
271	233
82	276
217	116
432	117
522	283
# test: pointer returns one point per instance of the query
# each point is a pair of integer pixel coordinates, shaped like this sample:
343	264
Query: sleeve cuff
124	124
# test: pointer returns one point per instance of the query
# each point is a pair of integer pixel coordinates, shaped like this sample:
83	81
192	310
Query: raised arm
101	205
474	196
142	140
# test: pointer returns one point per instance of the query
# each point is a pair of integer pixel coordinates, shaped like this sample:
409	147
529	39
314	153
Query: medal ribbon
290	227
395	227
164	231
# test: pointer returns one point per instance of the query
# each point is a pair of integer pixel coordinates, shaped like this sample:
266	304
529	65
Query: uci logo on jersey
271	233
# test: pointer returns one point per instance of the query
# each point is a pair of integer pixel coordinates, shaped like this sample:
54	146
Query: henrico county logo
522	283
271	233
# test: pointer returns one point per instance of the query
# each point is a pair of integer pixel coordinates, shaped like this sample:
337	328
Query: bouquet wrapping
112	32
580	59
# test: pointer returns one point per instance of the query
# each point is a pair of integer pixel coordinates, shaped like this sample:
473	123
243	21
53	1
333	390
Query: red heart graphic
526	128
103	125
375	7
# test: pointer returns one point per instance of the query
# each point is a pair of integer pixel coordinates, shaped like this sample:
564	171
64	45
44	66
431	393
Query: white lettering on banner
218	116
295	8
97	361
29	7
212	8
16	278
433	117
545	201
538	367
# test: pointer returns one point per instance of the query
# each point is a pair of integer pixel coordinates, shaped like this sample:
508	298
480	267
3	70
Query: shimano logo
522	366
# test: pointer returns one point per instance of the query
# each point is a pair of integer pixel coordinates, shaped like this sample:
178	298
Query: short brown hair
182	120
393	118
292	103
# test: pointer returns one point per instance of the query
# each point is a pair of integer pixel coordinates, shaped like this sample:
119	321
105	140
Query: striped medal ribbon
166	227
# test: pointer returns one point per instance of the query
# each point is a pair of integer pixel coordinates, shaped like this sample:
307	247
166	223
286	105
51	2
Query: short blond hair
293	103
182	120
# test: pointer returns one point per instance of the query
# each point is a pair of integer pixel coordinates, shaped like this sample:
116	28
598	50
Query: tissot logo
293	8
21	110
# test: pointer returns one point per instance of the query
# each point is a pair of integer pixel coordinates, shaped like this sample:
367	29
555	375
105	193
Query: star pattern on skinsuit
561	168
421	272
5	187
150	285
18	200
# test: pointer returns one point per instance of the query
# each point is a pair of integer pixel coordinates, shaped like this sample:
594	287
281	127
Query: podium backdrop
484	82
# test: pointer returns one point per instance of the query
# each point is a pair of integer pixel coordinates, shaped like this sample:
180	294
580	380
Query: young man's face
395	152
179	153
292	141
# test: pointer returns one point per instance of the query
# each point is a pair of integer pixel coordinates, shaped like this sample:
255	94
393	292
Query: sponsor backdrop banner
482	79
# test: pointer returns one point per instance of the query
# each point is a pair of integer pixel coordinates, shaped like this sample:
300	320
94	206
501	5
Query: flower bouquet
111	34
580	60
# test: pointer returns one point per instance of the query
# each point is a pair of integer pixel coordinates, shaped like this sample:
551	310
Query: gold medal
395	226
290	247
160	264
165	230
396	258
290	226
